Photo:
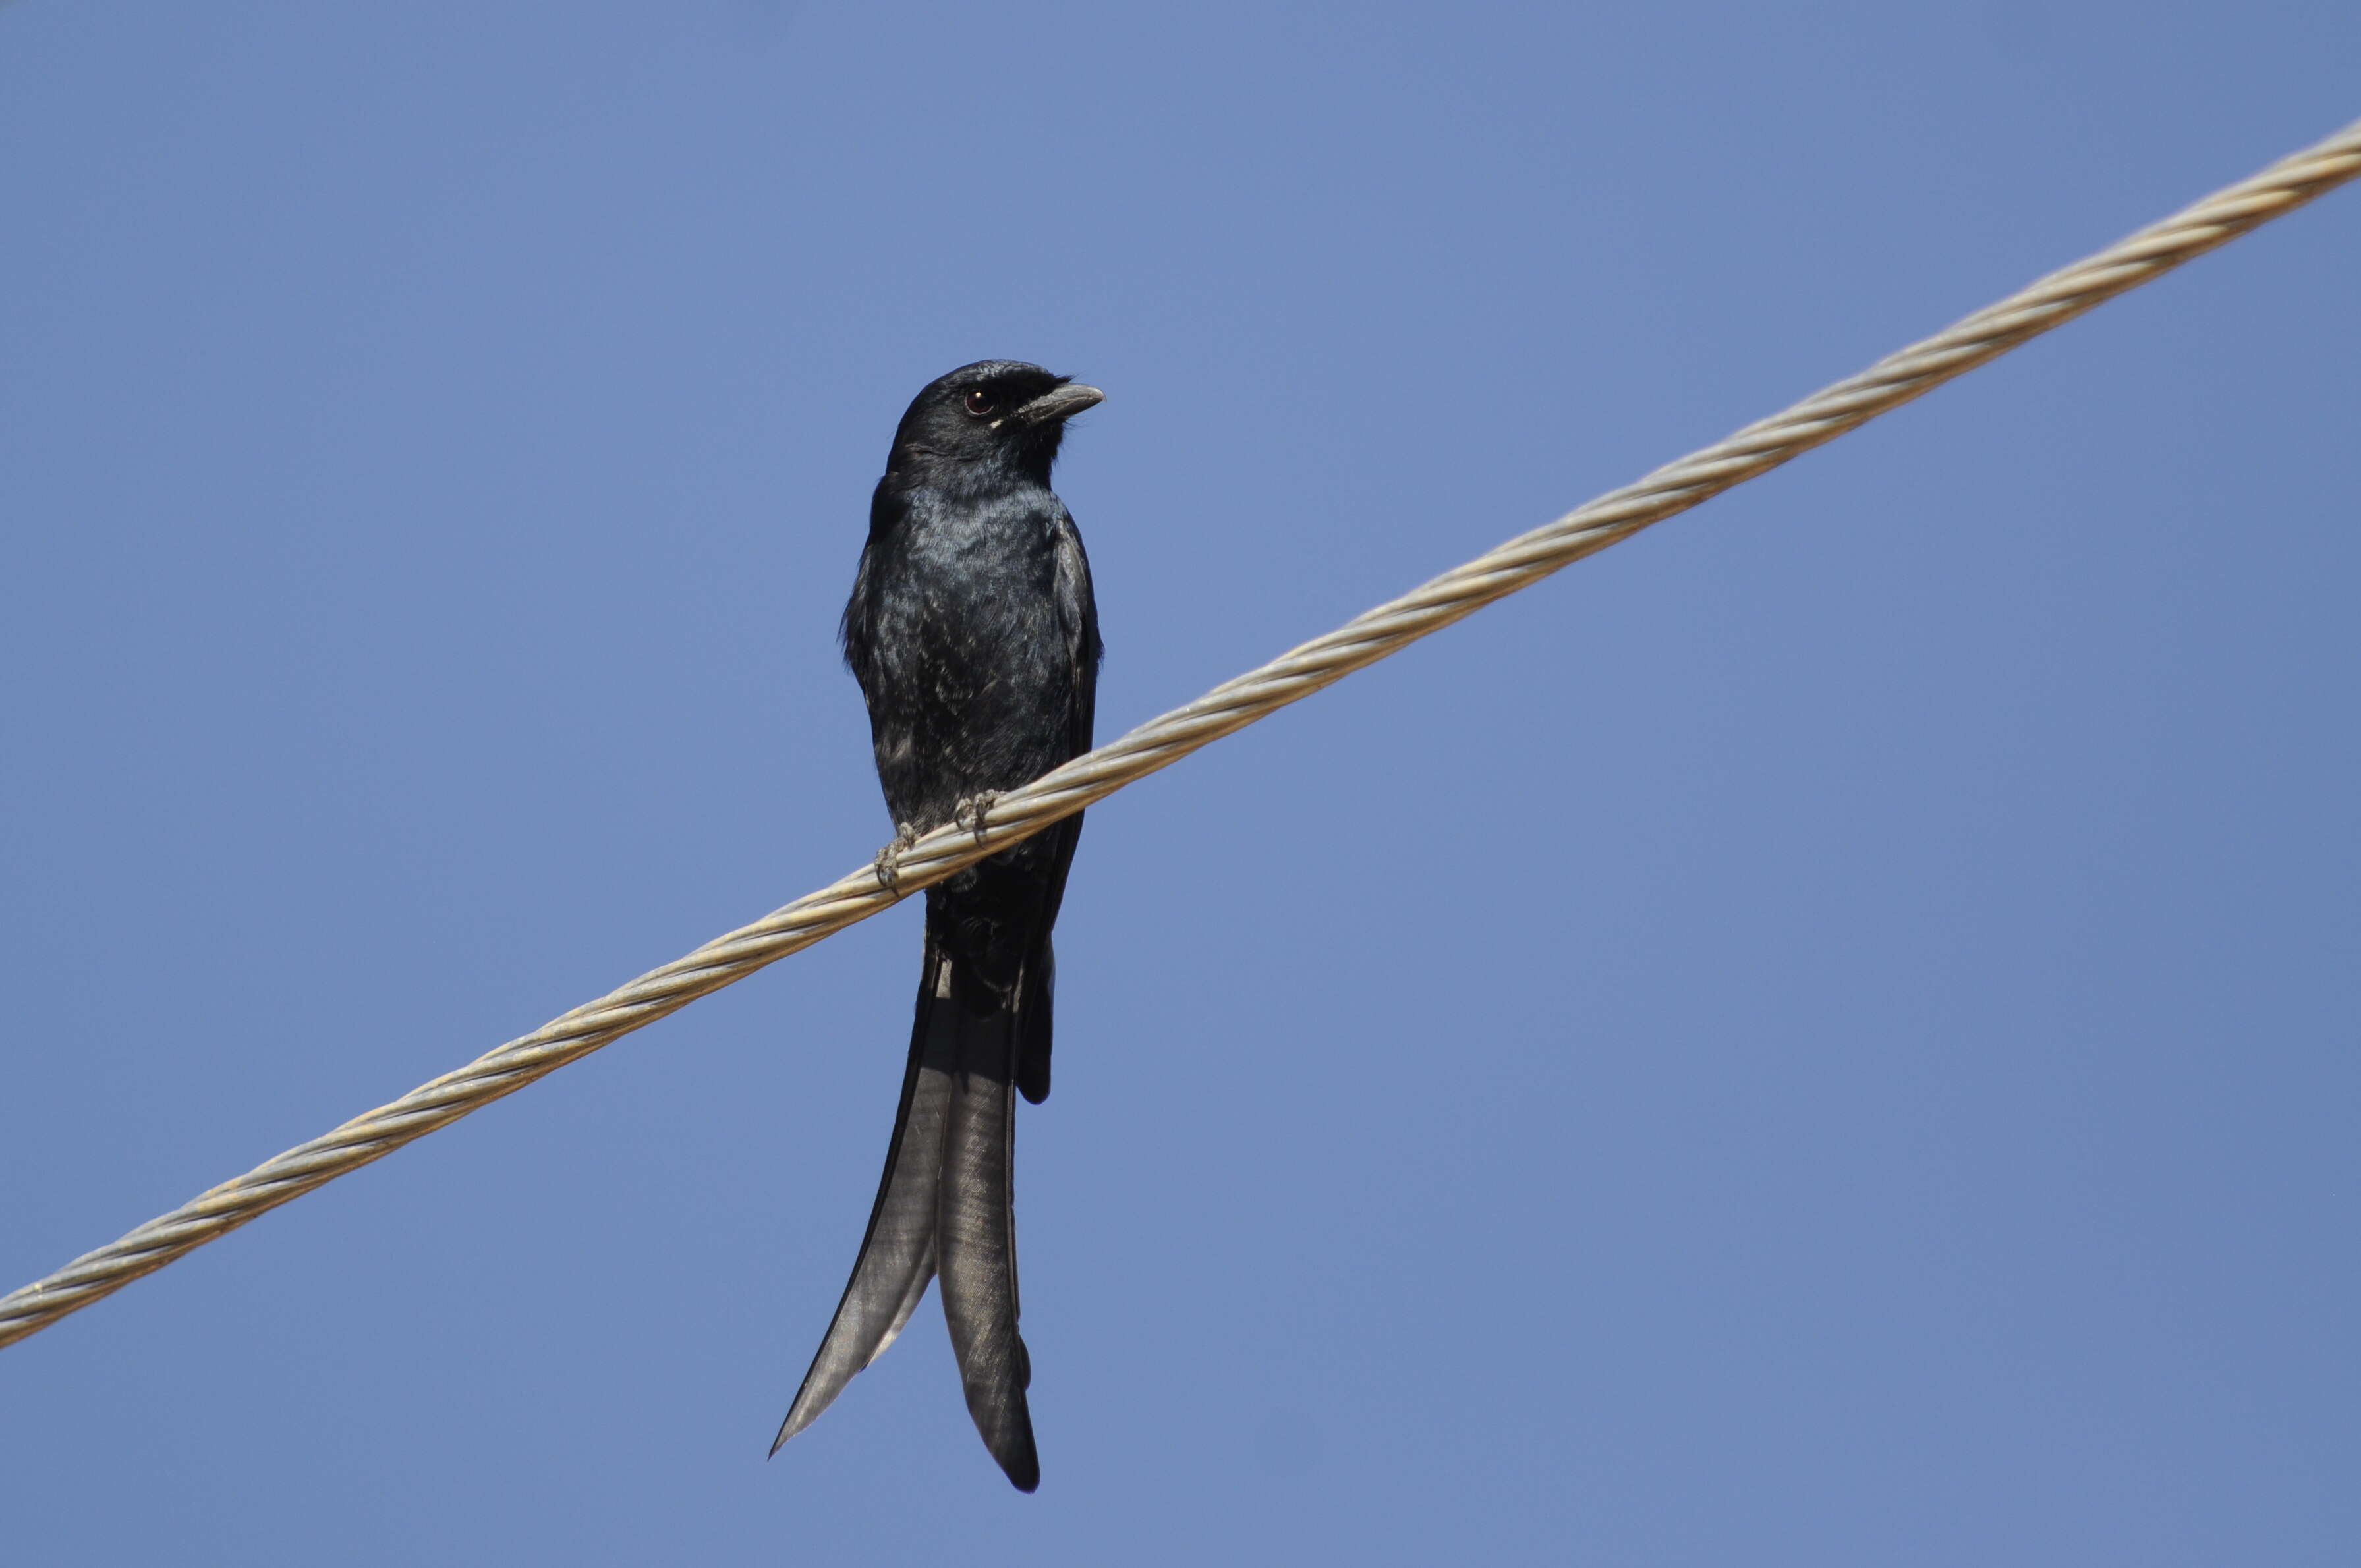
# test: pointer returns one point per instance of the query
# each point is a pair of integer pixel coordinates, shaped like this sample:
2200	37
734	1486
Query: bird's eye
979	404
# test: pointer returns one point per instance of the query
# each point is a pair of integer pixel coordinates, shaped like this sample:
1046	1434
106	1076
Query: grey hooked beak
1060	402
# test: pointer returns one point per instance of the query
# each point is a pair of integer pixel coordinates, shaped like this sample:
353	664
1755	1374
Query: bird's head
996	413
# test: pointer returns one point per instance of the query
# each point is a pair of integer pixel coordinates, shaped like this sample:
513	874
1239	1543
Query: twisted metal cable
1522	562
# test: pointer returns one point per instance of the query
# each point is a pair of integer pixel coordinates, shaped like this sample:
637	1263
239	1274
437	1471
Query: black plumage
973	635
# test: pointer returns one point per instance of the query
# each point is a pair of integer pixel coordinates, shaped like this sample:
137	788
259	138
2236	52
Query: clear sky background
1829	1034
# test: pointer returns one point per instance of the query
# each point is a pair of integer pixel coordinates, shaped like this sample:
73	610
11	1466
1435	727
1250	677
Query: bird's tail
946	1204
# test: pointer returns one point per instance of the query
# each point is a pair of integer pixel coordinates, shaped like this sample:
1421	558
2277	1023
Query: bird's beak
1058	403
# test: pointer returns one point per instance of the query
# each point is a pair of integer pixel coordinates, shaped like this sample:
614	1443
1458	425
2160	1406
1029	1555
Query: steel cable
1518	563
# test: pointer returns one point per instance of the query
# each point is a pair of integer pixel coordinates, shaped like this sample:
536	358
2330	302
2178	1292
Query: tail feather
976	1241
897	1255
921	1277
946	1207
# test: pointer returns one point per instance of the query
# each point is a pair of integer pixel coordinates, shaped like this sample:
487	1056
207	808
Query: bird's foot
889	858
972	812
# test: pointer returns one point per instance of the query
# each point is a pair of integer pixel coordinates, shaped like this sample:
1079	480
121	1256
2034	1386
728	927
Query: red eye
979	404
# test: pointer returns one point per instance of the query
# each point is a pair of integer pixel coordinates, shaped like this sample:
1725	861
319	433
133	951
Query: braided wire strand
1366	638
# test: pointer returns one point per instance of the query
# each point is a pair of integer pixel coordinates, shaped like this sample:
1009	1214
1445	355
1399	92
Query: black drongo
973	633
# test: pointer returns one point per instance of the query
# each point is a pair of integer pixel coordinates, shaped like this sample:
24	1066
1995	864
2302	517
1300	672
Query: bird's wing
1077	616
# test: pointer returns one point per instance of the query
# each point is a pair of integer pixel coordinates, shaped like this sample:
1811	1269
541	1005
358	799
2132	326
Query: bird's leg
889	858
970	812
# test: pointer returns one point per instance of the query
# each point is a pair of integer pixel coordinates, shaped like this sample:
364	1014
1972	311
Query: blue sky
1827	1035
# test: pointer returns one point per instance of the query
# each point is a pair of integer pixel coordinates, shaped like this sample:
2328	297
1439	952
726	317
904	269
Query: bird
975	637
